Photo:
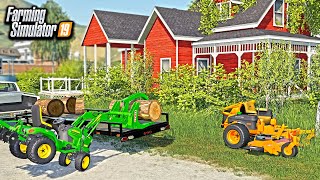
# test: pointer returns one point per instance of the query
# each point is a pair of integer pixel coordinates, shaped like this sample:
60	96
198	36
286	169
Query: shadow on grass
102	148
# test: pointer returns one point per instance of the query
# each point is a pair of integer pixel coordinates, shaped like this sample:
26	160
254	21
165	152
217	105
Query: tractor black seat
37	120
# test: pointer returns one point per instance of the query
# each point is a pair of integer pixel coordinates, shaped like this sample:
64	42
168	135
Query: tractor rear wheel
64	159
6	136
41	150
18	149
82	161
3	132
287	152
236	136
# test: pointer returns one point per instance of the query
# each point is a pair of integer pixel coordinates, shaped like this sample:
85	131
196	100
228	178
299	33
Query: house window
225	9
165	64
297	65
278	18
202	64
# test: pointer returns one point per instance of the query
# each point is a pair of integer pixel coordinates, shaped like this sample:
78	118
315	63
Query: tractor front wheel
287	152
64	159
18	149
236	136
82	161
41	150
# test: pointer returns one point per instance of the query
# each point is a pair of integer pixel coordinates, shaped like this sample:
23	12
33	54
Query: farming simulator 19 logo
30	23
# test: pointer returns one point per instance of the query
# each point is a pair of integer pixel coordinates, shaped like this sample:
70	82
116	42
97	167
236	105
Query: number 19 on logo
65	29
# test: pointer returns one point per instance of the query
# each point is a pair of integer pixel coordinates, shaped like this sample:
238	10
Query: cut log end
70	104
51	107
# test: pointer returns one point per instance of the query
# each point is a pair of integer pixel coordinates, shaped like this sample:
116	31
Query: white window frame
274	14
161	59
208	63
298	59
219	5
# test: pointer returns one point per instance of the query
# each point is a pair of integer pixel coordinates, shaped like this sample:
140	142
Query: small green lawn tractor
14	132
73	141
256	130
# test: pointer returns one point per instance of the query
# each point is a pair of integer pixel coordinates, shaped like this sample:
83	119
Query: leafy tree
210	15
52	49
272	74
304	14
314	79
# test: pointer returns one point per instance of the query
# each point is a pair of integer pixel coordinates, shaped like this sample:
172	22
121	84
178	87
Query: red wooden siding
123	56
185	52
94	34
302	56
267	22
247	57
229	61
160	44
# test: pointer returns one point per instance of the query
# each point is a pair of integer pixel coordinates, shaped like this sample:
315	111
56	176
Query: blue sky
81	10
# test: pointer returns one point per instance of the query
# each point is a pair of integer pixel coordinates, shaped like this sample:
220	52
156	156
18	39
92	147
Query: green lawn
198	135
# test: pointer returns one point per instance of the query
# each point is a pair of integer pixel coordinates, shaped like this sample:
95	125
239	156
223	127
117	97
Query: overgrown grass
199	135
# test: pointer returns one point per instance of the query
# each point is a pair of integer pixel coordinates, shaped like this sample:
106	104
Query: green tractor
73	141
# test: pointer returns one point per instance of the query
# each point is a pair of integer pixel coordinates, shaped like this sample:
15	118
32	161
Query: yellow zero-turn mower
256	130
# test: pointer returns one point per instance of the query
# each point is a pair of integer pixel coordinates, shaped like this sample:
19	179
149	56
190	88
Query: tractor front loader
256	129
73	141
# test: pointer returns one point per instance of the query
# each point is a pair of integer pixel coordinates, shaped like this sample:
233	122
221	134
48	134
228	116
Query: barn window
278	18
202	64
225	9
165	64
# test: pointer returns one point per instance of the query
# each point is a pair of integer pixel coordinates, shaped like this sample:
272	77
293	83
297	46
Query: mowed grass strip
199	135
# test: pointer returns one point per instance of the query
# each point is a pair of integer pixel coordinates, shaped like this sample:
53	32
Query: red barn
172	36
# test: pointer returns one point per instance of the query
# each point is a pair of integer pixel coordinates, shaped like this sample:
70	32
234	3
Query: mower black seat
37	120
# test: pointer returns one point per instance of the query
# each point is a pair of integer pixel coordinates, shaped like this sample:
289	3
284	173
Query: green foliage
314	80
29	81
272	75
246	4
304	15
70	68
210	15
52	49
183	89
117	83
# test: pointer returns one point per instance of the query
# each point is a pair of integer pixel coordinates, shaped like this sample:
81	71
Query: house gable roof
120	27
250	33
181	24
250	18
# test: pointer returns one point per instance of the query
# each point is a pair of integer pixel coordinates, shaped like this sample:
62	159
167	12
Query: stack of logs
56	107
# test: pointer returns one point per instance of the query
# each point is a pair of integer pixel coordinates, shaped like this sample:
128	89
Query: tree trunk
149	109
51	107
69	104
79	109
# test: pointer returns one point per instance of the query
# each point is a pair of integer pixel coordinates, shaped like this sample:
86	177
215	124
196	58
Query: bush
29	81
181	88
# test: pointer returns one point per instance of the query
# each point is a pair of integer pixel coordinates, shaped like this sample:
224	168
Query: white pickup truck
12	100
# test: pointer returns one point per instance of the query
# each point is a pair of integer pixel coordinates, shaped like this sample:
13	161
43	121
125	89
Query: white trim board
150	22
254	38
161	59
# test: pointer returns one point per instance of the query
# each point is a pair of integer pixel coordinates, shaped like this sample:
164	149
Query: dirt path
109	163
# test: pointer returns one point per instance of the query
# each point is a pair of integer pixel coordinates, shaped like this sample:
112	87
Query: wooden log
51	107
79	108
149	109
69	104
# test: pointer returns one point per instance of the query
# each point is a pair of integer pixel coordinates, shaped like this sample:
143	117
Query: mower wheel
3	132
41	150
236	136
82	161
64	159
289	153
18	149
